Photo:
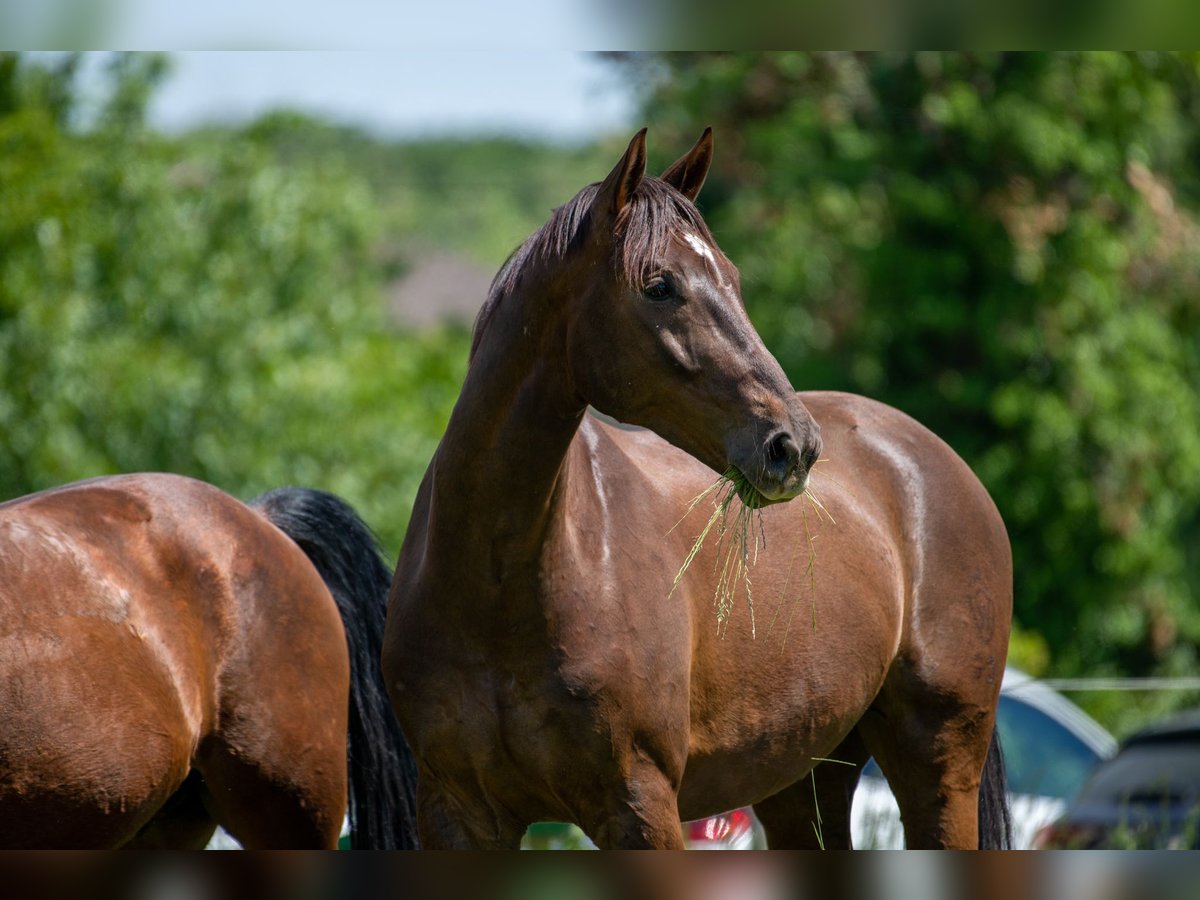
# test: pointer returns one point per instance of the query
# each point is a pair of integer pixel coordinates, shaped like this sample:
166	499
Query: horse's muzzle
787	459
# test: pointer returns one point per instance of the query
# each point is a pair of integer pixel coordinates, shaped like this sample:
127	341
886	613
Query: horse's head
658	335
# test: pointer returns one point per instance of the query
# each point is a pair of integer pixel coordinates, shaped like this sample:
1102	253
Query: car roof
1183	726
1020	686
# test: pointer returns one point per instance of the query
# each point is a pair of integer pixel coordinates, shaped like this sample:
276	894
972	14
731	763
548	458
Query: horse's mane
654	214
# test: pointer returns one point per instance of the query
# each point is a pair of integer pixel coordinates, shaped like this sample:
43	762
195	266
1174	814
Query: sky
365	24
559	95
416	68
321	24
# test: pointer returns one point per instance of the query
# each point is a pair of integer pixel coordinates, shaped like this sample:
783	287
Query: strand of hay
740	536
738	541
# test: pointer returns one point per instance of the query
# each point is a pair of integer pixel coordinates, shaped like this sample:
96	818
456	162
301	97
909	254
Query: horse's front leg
643	814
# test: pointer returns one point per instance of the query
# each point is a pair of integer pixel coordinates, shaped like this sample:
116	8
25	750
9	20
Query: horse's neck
502	463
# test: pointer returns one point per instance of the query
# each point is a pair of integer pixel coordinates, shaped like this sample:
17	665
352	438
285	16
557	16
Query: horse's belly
762	752
778	685
764	710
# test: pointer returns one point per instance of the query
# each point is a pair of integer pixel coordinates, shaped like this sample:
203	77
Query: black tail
383	773
995	818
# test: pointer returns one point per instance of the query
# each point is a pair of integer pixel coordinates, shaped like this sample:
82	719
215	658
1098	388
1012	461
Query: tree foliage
1004	246
198	306
477	196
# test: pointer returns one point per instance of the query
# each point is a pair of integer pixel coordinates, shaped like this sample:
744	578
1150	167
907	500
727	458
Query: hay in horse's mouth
739	541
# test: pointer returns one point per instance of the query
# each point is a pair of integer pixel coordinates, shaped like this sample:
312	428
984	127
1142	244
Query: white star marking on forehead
699	246
705	251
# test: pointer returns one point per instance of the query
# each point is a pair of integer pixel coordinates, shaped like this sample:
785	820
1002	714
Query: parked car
1050	747
1147	796
737	830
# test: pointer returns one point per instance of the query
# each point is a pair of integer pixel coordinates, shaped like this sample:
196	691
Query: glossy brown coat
169	660
536	656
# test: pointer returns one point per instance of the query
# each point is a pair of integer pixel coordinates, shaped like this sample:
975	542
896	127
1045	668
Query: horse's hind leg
276	762
267	801
814	813
183	823
932	747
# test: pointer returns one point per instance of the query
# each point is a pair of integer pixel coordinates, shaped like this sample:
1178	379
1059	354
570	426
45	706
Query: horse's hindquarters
152	626
88	752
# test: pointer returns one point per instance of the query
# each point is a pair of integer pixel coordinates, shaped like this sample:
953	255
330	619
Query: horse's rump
152	623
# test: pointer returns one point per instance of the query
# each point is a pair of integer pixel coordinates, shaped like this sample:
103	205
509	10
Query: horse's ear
623	180
688	173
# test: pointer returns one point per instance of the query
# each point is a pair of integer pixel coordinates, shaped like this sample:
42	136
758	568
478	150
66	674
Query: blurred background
261	268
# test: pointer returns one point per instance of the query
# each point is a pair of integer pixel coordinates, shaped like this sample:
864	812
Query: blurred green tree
1004	246
198	306
478	196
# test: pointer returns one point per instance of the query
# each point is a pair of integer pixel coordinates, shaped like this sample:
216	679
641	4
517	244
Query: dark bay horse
171	659
539	661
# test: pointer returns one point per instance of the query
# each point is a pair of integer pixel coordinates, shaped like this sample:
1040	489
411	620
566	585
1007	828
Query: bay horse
172	659
540	661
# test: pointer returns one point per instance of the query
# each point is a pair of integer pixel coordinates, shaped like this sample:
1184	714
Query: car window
1152	773
1042	757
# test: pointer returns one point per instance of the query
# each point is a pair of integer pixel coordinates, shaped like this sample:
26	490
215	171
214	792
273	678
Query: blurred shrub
198	306
478	196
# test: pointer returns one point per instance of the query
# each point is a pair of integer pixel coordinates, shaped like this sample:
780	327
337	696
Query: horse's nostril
810	455
782	451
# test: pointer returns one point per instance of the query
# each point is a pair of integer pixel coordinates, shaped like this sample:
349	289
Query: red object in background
723	829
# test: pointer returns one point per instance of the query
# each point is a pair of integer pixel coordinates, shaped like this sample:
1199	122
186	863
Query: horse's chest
548	678
511	732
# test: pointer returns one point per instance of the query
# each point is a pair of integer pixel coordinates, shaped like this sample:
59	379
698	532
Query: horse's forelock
656	214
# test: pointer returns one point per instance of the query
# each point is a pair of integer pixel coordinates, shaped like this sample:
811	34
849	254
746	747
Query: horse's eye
659	289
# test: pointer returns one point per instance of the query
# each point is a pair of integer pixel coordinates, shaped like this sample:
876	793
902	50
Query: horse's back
135	613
